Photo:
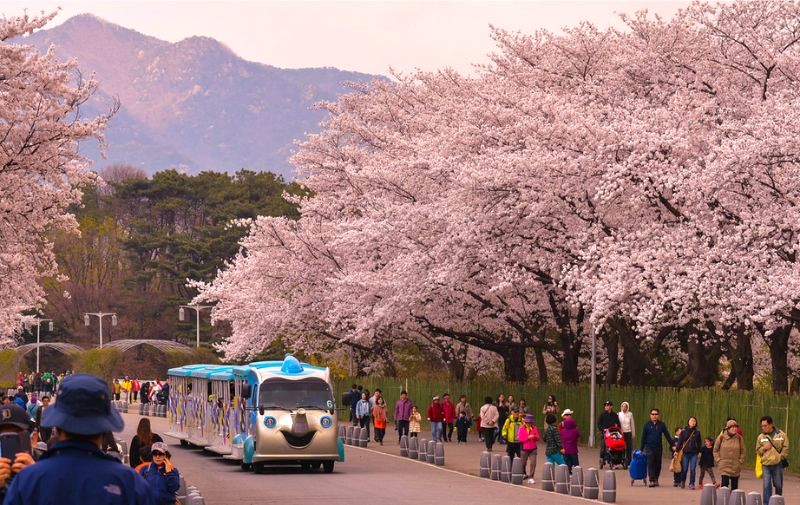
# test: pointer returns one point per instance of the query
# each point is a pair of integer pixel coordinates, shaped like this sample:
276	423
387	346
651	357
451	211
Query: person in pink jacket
527	436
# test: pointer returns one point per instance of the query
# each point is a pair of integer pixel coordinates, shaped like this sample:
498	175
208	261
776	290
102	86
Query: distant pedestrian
528	436
551	406
570	437
13	420
117	389
510	431
414	422
628	427
380	417
690	442
489	419
373	400
435	416
355	396
462	427
555	449
362	412
502	414
523	407
773	446
729	453
606	420
449	410
651	444
402	414
706	461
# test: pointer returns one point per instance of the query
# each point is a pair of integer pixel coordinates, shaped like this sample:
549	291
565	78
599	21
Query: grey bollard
723	495
429	452
363	438
485	469
125	407
505	468
404	446
348	434
776	499
591	484
182	487
548	477
517	472
576	482
709	495
141	409
562	479
495	474
438	454
753	498
610	487
737	497
423	448
413	448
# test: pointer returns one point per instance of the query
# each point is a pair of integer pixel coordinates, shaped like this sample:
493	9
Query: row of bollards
429	451
554	478
149	409
712	495
353	435
120	405
189	495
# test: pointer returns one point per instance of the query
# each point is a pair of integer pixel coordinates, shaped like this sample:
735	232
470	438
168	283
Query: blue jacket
75	472
163	484
651	436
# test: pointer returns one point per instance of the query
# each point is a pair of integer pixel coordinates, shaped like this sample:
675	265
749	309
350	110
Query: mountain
194	104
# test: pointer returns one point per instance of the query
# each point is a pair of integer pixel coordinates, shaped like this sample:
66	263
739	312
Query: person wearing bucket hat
161	475
13	420
82	413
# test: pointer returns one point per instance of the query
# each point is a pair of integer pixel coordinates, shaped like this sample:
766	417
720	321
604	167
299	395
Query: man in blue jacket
75	467
652	446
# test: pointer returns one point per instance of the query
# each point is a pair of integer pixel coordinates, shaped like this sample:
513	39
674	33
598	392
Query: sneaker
691	486
531	481
652	484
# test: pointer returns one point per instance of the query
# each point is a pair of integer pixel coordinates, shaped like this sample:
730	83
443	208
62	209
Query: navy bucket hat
83	407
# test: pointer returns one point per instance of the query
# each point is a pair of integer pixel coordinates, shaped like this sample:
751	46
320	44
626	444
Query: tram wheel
315	465
246	467
258	468
327	466
184	443
305	467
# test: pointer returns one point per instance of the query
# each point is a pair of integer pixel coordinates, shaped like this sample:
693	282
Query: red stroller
614	452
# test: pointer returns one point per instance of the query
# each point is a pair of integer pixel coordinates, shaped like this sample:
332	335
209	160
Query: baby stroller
614	452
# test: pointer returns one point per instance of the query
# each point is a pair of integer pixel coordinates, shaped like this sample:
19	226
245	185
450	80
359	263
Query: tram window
280	393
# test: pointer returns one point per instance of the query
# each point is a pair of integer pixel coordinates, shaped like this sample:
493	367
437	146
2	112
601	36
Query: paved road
367	476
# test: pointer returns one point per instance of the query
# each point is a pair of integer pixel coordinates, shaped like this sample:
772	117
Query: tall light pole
38	325
100	316
197	309
594	386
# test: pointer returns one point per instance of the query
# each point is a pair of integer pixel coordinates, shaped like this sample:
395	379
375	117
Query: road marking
484	479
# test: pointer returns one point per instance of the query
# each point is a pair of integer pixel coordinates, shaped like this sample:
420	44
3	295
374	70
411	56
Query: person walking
510	430
570	436
690	442
606	420
414	422
449	417
436	417
555	449
463	406
773	446
373	400
355	397
489	419
136	386
729	452
462	426
380	415
706	461
362	412
402	414
551	406
502	414
161	475
528	436
144	437
651	445
13	419
628	427
82	412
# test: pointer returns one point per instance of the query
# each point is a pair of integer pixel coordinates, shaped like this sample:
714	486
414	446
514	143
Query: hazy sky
363	36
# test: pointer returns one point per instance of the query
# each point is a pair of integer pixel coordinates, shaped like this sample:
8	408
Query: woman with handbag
689	442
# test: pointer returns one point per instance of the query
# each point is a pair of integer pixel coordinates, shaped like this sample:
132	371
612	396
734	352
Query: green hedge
710	406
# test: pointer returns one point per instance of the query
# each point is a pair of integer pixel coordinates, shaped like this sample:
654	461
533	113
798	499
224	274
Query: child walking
380	417
414	426
462	426
676	481
707	461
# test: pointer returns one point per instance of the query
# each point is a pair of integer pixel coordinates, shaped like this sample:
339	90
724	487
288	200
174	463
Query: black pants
653	464
731	482
512	449
488	437
628	436
379	433
448	431
402	429
462	434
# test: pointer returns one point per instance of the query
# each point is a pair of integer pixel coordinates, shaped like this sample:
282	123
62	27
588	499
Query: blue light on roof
291	365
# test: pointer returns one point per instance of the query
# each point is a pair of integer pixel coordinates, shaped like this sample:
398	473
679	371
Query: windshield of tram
312	394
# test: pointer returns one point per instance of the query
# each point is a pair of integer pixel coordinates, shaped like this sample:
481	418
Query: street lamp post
592	398
197	309
100	316
38	341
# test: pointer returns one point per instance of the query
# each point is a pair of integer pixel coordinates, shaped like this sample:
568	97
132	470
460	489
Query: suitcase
638	468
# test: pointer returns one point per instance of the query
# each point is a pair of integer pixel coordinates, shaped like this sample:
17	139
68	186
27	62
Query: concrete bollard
708	495
495	475
517	472
363	438
429	452
485	464
610	487
404	446
776	499
505	468
737	497
591	484
576	482
548	477
753	498
141	409
348	434
125	407
562	479
182	487
413	448
723	495
438	454
423	448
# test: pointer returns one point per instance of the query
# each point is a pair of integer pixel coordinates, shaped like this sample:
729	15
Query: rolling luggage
638	468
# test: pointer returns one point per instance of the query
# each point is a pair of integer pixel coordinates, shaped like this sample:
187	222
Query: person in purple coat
402	414
570	435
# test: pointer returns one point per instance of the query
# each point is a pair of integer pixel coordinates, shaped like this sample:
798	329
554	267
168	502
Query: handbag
676	465
759	470
784	461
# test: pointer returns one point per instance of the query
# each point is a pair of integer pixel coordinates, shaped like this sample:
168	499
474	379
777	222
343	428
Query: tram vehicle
292	415
181	408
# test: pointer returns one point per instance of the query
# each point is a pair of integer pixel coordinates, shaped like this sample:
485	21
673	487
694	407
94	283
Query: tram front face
298	420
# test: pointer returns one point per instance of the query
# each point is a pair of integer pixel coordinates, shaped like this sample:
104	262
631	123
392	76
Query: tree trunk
741	358
541	366
779	352
611	341
514	364
703	362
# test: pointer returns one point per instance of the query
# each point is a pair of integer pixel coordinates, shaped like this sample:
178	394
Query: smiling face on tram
296	412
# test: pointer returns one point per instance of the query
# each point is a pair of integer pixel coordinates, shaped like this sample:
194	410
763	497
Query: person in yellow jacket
127	385
509	432
773	446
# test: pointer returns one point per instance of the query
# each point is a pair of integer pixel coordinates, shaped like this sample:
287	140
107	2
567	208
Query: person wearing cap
510	431
567	414
729	452
13	419
161	475
607	419
83	474
436	417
